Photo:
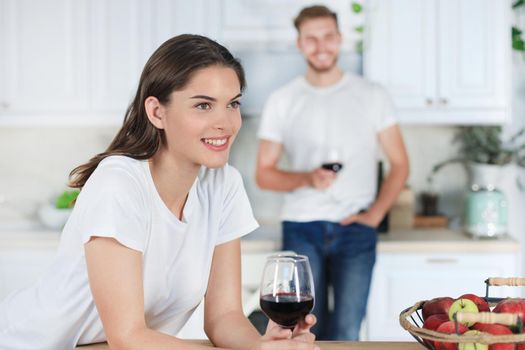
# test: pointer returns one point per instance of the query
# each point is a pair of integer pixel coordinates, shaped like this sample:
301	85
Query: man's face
320	42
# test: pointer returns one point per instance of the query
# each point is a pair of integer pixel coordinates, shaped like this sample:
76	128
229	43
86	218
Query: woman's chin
216	163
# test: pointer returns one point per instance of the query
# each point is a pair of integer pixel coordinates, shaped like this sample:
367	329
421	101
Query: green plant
484	144
66	199
357	8
518	43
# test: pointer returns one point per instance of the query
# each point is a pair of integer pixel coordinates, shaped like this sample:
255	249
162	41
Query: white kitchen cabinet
43	65
268	24
402	279
69	62
443	61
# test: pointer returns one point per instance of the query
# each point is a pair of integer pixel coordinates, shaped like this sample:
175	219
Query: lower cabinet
402	279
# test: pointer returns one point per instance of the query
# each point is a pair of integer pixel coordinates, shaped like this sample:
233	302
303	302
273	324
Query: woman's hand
302	332
278	338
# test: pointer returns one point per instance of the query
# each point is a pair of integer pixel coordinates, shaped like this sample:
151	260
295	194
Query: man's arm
269	177
391	142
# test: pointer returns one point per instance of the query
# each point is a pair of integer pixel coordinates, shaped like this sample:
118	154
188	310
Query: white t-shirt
120	200
306	119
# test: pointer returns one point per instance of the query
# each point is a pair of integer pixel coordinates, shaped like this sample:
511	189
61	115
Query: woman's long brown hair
169	69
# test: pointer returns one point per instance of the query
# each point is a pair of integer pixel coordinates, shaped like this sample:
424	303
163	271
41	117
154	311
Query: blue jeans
341	256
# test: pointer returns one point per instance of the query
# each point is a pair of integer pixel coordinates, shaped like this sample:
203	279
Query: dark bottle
334	166
286	309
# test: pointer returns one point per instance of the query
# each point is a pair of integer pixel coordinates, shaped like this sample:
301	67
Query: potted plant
484	152
55	214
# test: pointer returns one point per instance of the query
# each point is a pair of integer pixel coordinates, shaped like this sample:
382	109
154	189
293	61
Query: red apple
511	305
449	327
433	322
495	329
436	306
481	303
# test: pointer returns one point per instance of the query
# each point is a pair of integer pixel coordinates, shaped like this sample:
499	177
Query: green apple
466	305
472	346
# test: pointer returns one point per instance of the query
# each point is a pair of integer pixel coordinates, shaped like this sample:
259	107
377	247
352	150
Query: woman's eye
203	105
235	104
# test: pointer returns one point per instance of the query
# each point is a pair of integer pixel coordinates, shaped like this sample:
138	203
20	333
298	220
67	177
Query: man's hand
368	218
321	179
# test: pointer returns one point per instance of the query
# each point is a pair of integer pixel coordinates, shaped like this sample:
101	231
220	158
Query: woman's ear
154	111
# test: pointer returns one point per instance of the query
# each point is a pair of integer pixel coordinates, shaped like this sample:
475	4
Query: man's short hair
316	11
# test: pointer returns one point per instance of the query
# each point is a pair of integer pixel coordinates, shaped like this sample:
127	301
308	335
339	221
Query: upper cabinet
443	61
268	24
78	61
43	65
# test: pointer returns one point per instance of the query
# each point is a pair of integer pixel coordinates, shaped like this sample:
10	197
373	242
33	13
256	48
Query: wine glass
332	158
287	289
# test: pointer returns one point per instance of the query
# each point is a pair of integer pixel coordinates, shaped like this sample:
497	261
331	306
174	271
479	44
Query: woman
156	227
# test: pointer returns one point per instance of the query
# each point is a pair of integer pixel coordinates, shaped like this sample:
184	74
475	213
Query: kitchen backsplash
36	163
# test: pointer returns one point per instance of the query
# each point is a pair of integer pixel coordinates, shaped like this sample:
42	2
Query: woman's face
202	120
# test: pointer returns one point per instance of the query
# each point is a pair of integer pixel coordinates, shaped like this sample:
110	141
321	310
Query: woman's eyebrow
204	97
239	95
213	99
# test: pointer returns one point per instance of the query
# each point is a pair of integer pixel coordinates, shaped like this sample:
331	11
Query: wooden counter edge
324	345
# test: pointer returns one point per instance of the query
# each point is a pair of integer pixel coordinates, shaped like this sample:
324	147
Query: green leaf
518	3
360	29
518	45
66	199
359	46
357	8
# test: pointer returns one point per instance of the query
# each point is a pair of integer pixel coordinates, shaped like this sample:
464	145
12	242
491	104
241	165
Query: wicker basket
411	320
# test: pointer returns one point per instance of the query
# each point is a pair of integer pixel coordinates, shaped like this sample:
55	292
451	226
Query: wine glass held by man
156	226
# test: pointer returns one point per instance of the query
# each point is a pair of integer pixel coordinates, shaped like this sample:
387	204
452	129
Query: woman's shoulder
119	171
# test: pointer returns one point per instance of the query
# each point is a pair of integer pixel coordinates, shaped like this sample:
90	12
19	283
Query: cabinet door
43	61
121	42
474	43
400	281
400	50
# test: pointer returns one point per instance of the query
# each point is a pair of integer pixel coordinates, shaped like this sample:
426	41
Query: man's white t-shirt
120	200
307	119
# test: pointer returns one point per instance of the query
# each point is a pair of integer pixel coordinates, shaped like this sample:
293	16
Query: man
327	215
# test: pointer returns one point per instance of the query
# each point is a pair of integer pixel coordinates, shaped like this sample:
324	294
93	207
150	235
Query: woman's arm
224	321
115	278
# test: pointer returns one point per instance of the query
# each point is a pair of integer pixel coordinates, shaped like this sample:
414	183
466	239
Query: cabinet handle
429	102
5	105
443	101
442	261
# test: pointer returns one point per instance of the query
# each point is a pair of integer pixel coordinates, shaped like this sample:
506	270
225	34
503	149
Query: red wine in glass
287	309
334	166
287	289
332	156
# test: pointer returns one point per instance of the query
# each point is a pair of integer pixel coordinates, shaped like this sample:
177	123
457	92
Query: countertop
267	238
324	345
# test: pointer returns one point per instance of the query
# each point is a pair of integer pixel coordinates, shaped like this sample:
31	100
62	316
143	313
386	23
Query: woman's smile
217	144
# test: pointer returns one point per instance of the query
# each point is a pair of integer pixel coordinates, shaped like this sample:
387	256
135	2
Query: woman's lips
216	143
